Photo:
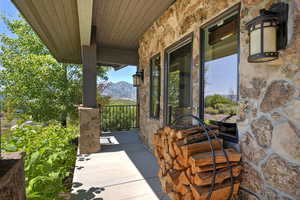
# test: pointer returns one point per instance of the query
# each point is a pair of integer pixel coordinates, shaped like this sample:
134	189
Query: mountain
120	90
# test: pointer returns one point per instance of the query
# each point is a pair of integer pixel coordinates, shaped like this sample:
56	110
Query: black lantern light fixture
138	78
268	33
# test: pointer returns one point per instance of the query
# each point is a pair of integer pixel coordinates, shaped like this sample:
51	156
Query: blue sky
124	74
221	77
8	9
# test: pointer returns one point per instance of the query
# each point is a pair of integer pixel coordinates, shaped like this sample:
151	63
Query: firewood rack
228	163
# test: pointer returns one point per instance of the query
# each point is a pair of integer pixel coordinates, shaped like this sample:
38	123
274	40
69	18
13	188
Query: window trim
151	87
187	39
234	8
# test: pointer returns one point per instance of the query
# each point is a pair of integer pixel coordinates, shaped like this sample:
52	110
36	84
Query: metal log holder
206	130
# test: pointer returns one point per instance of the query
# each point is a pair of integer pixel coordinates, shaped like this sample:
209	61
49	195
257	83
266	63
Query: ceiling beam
113	56
85	13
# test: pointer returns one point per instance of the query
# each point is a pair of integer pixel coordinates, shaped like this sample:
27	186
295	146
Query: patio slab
123	170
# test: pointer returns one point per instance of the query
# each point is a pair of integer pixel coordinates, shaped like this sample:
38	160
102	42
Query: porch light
268	33
138	77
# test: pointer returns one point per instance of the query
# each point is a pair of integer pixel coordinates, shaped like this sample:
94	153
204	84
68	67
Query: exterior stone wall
12	180
269	107
89	140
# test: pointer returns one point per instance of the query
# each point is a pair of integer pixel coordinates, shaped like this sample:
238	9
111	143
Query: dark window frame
202	55
151	87
188	39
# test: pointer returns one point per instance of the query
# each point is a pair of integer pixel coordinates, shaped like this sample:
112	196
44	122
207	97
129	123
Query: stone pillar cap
12	155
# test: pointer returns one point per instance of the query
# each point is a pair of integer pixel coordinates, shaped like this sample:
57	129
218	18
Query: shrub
213	100
211	110
50	155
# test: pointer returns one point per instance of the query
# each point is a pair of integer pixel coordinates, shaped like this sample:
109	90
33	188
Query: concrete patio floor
124	169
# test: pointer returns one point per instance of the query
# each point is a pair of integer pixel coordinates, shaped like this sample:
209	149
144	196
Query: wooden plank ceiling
56	24
119	24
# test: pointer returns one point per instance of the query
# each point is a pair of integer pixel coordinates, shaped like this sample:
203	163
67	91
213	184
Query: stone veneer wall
12	179
269	113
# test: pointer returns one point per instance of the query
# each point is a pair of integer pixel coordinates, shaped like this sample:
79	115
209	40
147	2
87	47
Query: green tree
34	85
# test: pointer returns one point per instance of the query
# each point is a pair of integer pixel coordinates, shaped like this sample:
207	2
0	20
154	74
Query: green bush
211	110
213	100
50	155
217	104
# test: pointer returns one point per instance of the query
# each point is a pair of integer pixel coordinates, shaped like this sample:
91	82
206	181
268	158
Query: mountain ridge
120	90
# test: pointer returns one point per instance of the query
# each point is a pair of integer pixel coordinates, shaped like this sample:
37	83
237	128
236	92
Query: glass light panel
135	80
270	39
255	41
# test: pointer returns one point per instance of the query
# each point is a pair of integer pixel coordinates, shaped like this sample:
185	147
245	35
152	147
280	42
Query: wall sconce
268	33
138	78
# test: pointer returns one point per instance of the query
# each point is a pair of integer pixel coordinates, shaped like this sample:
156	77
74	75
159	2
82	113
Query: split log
203	159
174	196
203	179
188	196
183	161
177	166
168	166
166	187
160	174
171	150
184	179
221	192
184	133
201	147
163	168
176	147
182	189
157	153
172	177
156	140
198	137
207	168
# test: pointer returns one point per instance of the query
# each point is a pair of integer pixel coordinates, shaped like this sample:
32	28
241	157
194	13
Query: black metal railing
119	117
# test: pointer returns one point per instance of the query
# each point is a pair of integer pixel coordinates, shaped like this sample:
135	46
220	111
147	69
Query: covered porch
125	169
178	39
94	33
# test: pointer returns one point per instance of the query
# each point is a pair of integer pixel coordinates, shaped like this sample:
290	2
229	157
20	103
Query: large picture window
179	81
220	69
155	86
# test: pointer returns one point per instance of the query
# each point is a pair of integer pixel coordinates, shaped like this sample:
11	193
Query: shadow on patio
124	169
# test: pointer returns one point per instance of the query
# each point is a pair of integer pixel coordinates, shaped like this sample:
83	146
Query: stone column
12	180
89	140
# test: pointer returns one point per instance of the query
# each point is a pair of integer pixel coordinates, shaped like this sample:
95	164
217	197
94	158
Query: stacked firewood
186	164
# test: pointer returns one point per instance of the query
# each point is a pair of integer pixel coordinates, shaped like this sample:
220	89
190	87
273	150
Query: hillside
120	90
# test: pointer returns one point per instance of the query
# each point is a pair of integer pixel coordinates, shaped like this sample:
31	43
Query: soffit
120	23
56	23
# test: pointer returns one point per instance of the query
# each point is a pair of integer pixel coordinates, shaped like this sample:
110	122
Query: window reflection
179	82
221	70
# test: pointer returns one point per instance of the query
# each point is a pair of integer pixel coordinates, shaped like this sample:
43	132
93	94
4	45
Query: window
220	69
179	81
155	87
